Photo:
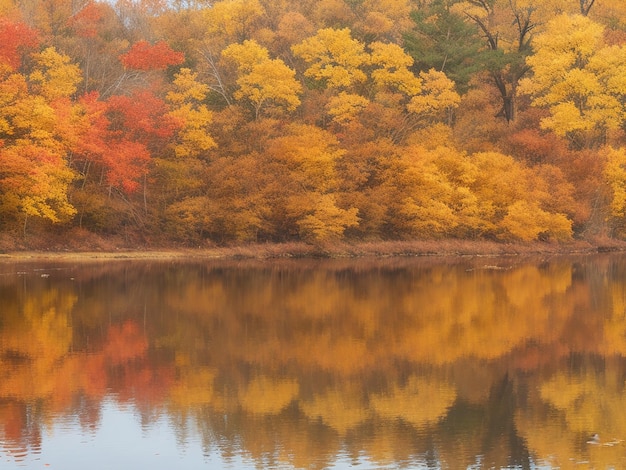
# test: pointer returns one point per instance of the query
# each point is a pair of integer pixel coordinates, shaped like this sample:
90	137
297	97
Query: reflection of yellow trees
438	315
579	404
193	387
484	313
341	409
547	439
32	341
614	341
344	324
422	401
284	441
264	395
392	444
562	391
292	350
589	402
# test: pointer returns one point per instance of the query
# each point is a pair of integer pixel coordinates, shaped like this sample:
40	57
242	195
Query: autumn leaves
264	121
580	79
35	139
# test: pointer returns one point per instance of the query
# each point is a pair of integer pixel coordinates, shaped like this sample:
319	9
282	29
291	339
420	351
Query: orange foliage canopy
144	56
15	39
86	22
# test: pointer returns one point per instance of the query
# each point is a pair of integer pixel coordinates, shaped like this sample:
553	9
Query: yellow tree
519	199
358	75
186	101
392	68
615	176
233	19
264	83
177	173
33	183
305	201
386	17
55	76
578	79
429	93
35	122
333	57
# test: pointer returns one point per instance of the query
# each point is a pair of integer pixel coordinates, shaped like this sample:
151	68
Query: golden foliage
420	402
341	409
186	98
55	76
263	81
577	78
333	57
233	19
437	94
346	106
393	68
193	388
264	395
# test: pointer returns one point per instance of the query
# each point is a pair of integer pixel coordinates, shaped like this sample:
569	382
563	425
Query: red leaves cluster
121	133
87	22
15	40
144	56
142	115
125	343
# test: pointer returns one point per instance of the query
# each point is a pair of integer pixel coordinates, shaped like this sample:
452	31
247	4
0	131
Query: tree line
256	120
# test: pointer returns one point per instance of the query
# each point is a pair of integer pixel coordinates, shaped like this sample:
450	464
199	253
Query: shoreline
270	251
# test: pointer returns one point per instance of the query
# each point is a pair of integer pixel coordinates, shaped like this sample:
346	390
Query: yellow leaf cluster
393	68
264	395
615	174
421	401
326	221
333	57
186	97
233	18
577	77
263	81
437	94
55	75
345	106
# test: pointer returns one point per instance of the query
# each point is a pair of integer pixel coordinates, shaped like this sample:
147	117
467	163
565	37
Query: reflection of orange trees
17	434
35	337
38	363
341	325
43	374
124	343
614	327
127	370
390	443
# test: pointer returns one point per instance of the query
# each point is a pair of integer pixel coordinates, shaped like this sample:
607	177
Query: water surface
404	363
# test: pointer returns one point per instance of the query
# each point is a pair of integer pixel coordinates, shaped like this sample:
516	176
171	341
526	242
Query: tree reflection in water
402	362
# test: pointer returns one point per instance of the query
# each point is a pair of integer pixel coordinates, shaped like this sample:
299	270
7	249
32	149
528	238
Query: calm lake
372	364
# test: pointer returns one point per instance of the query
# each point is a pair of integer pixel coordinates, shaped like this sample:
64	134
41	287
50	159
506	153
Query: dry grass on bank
380	249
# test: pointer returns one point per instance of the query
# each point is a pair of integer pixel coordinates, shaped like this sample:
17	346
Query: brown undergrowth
83	245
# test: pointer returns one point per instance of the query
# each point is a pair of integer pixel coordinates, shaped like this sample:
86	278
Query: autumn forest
234	121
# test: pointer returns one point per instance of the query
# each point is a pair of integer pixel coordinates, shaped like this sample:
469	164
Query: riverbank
381	249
